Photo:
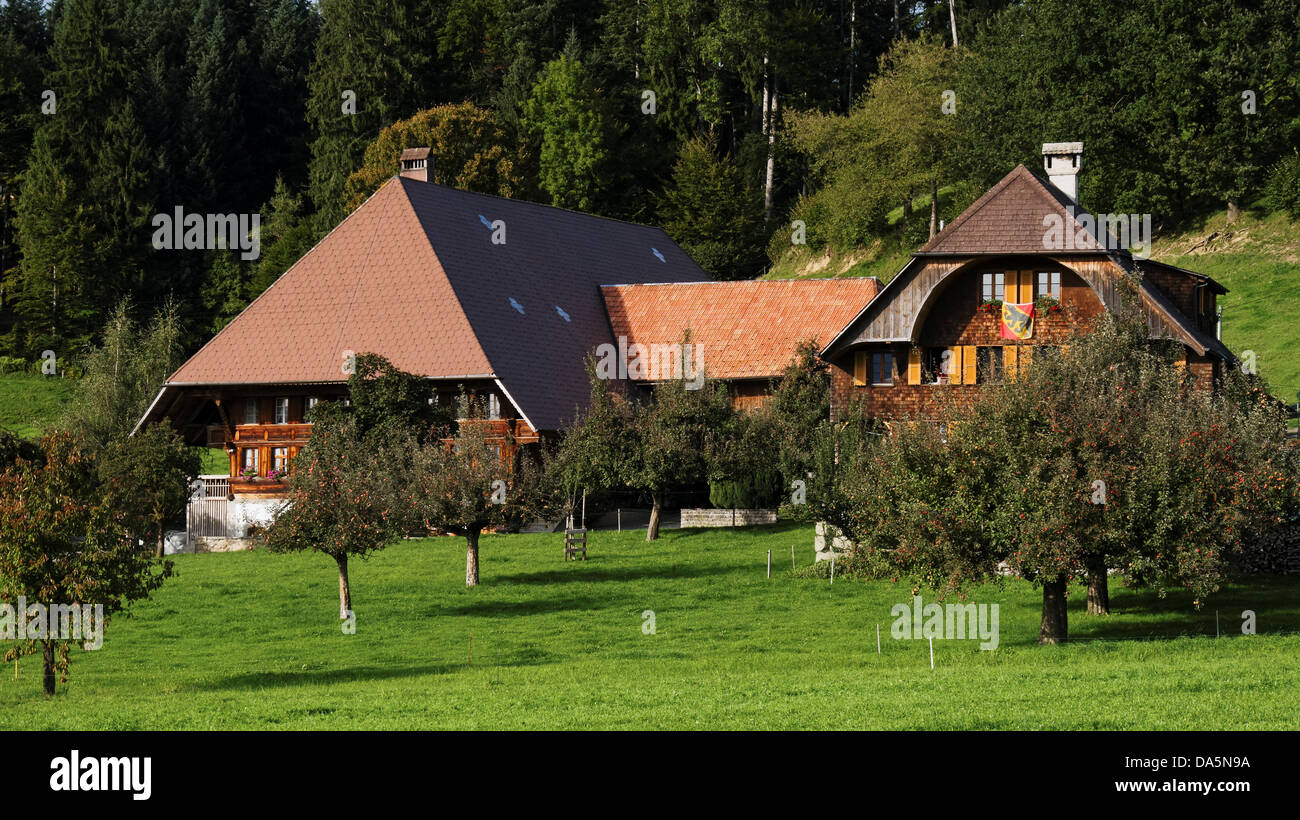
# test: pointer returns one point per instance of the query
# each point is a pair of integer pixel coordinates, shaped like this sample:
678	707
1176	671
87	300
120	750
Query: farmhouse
996	289
507	301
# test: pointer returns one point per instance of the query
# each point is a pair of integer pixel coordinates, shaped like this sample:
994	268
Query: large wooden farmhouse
507	300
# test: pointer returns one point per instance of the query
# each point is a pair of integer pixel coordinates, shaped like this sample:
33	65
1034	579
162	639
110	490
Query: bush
1282	190
9	364
756	491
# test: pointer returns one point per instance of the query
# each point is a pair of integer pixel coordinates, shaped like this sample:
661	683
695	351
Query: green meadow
252	641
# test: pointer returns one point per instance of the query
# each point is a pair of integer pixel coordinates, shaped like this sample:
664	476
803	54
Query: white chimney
1061	160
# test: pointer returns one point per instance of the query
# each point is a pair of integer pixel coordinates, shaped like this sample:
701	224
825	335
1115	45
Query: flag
1017	320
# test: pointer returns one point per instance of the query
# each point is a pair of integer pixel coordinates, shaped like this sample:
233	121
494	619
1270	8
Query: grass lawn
30	403
251	640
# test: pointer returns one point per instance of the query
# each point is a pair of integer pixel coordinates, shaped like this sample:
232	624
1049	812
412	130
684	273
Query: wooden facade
941	327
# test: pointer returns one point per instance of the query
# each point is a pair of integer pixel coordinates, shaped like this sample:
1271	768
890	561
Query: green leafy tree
469	151
466	485
713	214
62	544
146	477
567	118
123	375
342	496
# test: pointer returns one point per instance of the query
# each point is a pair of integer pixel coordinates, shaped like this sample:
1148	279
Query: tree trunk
471	558
1055	623
934	207
345	591
1234	211
1098	587
952	18
907	208
48	658
769	181
652	531
160	552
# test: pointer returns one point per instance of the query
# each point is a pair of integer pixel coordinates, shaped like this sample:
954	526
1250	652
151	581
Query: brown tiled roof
1009	219
748	329
413	274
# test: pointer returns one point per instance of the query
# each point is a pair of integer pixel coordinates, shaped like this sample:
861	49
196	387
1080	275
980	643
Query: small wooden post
620	519
877	639
792	566
832	568
769	563
584	508
932	653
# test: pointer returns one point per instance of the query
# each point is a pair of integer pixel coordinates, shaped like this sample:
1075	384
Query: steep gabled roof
746	329
1008	219
413	274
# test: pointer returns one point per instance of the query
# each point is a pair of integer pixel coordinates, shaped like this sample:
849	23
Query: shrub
1282	190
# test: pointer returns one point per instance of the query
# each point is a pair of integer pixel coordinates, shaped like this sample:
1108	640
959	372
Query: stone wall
726	518
203	545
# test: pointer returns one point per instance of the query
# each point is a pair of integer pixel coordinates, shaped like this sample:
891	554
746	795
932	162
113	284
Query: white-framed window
993	287
308	405
493	406
281	411
280	458
250	411
1049	284
249	461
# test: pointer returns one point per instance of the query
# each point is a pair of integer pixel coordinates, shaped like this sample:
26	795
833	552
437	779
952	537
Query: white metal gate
206	515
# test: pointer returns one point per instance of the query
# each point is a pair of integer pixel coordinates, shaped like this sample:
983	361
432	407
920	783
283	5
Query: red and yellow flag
1017	320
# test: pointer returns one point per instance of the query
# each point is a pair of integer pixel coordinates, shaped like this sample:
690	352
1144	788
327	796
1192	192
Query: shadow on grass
316	677
584	574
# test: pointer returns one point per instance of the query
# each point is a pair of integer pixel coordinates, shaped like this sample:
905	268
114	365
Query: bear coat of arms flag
1017	320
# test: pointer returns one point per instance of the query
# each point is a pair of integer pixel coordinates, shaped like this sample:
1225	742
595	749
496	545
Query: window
308	406
281	411
250	411
934	367
988	363
994	287
493	406
280	458
249	461
1049	284
882	368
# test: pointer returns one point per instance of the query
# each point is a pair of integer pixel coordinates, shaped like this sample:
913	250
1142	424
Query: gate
206	513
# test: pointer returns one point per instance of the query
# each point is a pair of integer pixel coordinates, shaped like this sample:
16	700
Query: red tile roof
748	329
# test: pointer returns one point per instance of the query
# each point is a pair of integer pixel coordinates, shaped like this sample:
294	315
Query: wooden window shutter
1010	362
859	368
968	375
954	365
1181	362
914	366
1026	287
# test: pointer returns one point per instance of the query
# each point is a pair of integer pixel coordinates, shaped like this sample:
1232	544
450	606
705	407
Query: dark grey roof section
551	257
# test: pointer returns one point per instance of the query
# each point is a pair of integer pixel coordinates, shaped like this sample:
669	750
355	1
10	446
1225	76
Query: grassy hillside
30	404
251	640
1258	261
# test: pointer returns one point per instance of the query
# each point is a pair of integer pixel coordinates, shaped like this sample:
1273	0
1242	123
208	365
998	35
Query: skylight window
486	222
516	306
656	252
563	315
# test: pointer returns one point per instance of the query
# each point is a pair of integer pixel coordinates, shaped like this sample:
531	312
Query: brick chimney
1061	160
416	164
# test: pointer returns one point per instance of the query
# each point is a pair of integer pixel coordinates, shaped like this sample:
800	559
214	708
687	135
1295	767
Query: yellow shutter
1026	287
1181	362
968	364
859	369
914	366
1010	355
